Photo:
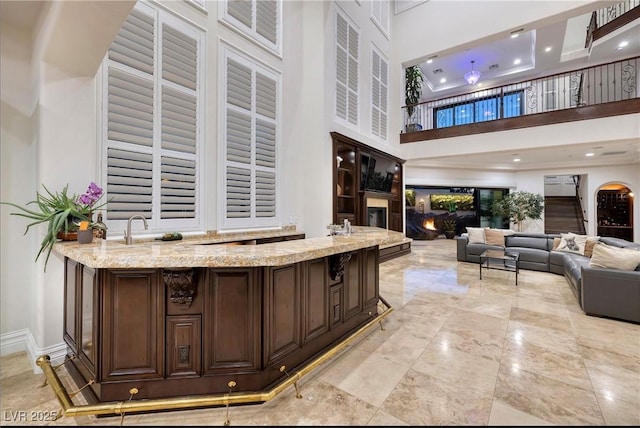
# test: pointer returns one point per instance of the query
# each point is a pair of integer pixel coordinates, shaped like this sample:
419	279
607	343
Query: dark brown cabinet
368	185
615	209
189	331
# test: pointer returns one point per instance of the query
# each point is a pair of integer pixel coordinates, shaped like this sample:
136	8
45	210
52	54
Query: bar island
204	321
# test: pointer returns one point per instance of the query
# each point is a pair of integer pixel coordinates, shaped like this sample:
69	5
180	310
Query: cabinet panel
282	312
71	327
370	287
183	345
231	321
315	299
133	325
336	304
352	285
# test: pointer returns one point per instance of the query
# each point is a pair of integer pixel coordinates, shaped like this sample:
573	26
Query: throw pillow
572	243
607	256
556	243
494	237
588	246
476	235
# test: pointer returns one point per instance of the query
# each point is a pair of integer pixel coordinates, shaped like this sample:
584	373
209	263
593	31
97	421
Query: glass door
485	201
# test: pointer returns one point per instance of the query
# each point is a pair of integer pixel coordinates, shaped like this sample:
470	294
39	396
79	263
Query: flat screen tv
377	173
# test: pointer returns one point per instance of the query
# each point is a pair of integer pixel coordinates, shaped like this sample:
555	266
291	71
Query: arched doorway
615	211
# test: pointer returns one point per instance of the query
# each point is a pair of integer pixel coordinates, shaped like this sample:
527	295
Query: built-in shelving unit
368	185
615	214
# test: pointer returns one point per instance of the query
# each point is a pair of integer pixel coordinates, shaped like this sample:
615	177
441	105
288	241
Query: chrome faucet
127	234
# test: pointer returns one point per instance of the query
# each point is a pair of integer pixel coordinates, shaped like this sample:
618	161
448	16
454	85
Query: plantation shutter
151	107
251	111
379	88
259	19
347	52
380	15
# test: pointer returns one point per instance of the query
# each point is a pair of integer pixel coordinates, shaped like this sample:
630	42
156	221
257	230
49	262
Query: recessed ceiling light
547	49
516	160
429	61
623	44
588	154
443	80
516	62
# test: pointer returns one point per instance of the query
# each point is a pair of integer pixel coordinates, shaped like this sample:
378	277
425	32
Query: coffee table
500	260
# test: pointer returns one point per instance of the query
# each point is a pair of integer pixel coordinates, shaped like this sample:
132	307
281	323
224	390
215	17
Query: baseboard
23	341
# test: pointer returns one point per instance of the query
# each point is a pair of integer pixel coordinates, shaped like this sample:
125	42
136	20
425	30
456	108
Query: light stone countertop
216	250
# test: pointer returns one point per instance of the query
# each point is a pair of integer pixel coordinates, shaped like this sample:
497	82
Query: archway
614	214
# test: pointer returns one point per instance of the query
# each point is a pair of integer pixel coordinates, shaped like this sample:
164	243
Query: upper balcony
588	93
598	91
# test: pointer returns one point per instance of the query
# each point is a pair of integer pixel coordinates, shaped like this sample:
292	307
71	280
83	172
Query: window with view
151	104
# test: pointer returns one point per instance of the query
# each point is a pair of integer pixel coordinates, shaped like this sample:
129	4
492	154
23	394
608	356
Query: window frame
350	24
251	32
226	51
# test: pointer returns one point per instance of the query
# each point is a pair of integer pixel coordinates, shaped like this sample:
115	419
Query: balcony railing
587	93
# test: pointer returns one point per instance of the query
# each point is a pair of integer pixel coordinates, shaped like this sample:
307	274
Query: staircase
562	215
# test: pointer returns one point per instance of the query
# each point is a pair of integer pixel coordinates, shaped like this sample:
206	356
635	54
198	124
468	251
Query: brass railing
566	93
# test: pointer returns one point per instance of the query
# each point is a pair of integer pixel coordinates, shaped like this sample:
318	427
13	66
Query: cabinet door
371	281
315	297
282	318
231	322
352	285
183	346
132	325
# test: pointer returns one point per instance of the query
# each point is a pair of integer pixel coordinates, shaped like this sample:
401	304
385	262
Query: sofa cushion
527	241
494	237
588	246
607	256
556	243
572	243
476	235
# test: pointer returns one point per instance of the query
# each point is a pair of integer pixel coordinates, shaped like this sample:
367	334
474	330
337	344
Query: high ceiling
495	61
541	51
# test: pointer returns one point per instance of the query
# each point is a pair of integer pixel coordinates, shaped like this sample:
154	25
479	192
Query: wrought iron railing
610	13
606	83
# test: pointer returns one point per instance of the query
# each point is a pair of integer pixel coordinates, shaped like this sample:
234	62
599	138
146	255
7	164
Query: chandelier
473	76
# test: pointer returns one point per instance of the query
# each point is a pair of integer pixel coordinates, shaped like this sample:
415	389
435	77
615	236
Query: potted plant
62	213
519	206
449	228
413	78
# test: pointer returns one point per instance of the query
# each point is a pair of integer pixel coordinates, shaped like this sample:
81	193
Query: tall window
250	124
380	15
480	110
152	110
347	54
379	93
259	19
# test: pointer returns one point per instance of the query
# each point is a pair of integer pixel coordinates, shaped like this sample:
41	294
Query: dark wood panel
370	277
231	320
133	325
336	304
315	297
282	312
352	285
183	345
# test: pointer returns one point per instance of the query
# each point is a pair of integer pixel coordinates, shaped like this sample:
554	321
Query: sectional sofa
600	291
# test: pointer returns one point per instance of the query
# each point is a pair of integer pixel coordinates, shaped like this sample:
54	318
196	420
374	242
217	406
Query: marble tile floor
456	350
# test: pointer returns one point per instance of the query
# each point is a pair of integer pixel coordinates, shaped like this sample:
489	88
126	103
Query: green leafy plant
410	197
519	206
62	213
413	79
451	203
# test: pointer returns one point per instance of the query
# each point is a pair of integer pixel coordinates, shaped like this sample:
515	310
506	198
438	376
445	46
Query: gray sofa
601	292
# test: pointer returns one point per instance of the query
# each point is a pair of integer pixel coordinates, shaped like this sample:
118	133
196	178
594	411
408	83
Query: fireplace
377	217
